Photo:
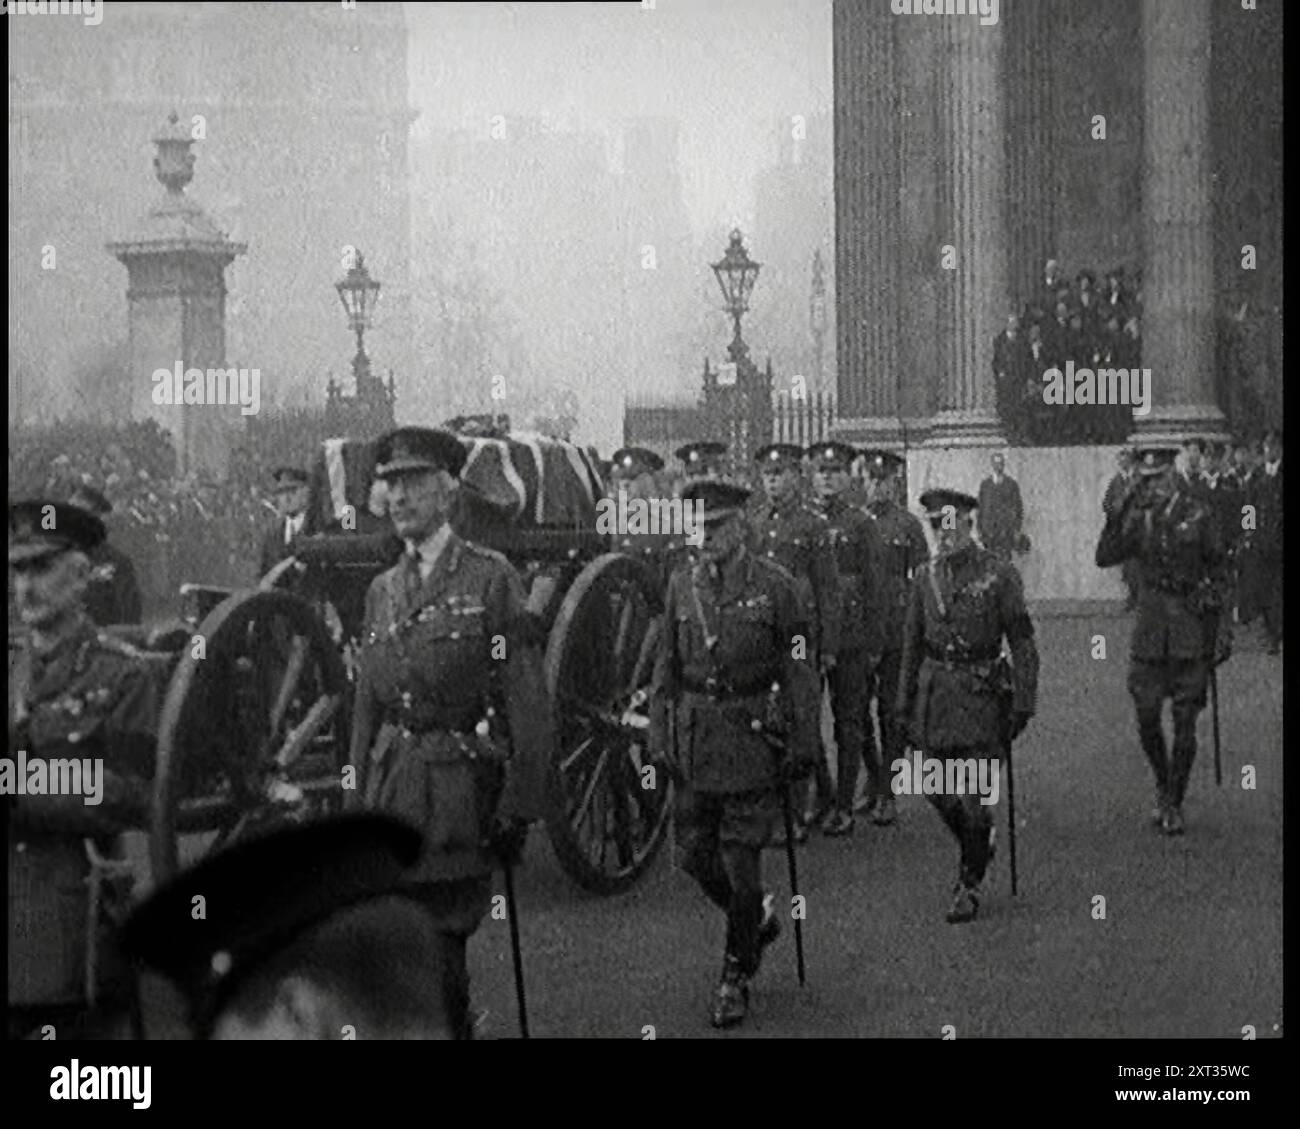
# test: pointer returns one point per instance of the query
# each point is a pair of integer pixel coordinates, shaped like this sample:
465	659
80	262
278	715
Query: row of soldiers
780	598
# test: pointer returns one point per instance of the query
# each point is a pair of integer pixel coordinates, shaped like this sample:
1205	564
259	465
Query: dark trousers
969	820
720	837
884	688
1150	683
850	687
1271	586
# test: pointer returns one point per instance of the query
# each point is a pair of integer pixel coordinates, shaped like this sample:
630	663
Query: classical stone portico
965	156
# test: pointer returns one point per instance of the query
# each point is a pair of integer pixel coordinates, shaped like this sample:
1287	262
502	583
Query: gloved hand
794	769
505	841
1016	725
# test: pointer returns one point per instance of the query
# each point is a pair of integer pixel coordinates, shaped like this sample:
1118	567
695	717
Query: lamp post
359	293
736	273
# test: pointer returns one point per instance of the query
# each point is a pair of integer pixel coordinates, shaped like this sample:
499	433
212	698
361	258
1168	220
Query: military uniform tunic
797	537
441	656
1180	571
904	551
92	697
954	688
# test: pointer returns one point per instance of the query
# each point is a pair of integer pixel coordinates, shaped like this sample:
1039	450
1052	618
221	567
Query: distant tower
817	318
176	261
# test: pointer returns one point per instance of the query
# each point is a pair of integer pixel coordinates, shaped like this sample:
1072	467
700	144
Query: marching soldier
451	728
1174	538
84	705
702	459
730	623
113	595
955	687
291	491
786	529
905	550
859	560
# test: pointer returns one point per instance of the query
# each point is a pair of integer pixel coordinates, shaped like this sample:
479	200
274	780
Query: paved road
1191	943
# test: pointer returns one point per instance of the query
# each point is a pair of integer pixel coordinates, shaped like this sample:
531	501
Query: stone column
1032	77
974	298
176	261
1178	275
866	214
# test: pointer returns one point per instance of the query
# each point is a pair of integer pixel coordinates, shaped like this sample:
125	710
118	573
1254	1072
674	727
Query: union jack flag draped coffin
531	480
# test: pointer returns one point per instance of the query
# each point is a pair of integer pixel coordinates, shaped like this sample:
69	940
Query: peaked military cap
704	451
91	500
932	501
781	454
418	448
285	476
835	453
259	896
637	459
721	499
1153	460
40	527
882	464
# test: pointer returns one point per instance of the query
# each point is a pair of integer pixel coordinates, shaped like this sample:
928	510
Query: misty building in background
304	116
794	219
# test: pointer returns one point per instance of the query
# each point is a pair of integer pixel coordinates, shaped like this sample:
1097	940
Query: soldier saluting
905	550
451	730
76	696
858	558
955	687
732	625
1173	537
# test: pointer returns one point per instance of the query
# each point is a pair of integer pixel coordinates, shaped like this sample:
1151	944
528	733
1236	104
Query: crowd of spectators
1095	325
176	528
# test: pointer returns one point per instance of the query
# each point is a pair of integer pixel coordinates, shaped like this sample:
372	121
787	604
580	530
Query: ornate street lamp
359	293
736	273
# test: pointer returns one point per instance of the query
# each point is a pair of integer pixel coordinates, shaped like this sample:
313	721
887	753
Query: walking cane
780	752
515	950
1011	818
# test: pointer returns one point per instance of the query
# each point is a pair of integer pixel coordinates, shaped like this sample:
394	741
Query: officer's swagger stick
779	749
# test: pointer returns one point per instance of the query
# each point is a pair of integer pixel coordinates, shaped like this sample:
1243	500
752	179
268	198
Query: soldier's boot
1152	737
769	929
731	1000
886	811
837	823
965	904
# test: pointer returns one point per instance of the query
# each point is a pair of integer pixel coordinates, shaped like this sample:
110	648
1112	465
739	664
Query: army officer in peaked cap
86	699
702	459
308	932
962	699
1165	526
451	729
726	665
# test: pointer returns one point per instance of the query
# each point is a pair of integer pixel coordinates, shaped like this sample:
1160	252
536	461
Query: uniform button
21	848
770	553
73	738
455	634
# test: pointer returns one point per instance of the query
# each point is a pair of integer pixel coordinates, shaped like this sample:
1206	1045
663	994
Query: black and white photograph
652	520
